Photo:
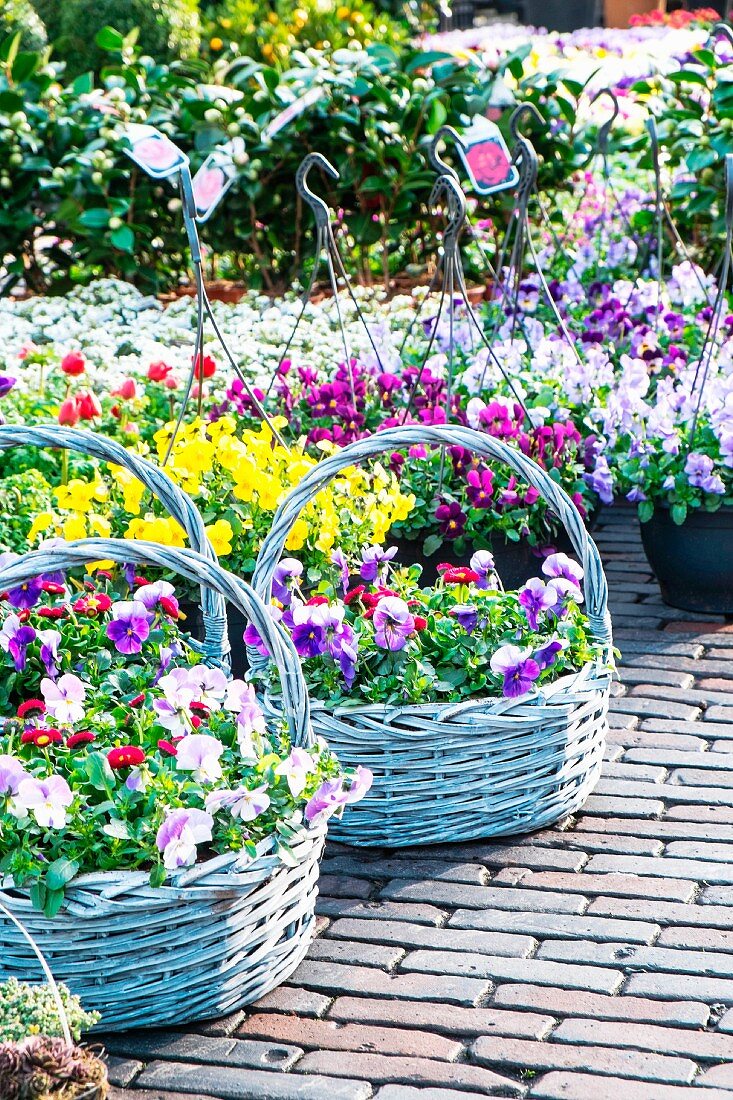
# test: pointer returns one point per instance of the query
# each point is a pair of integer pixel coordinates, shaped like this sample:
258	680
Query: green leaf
60	872
678	513
110	39
10	102
425	60
287	855
123	238
24	66
37	894
54	901
431	544
96	218
100	774
157	875
646	510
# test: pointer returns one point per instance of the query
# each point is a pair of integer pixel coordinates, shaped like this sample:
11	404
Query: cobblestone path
591	961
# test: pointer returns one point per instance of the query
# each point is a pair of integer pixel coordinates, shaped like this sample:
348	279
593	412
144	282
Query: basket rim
184	878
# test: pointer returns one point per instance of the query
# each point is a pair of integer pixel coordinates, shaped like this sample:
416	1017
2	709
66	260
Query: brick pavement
591	961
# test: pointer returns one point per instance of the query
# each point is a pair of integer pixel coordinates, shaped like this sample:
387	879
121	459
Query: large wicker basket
482	767
219	934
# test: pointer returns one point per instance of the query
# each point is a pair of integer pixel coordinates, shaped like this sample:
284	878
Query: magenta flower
452	520
179	834
535	597
517	668
480	488
129	627
393	623
360	785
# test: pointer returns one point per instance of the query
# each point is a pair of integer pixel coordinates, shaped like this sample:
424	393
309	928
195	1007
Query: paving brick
654	708
620	885
535	971
673	758
586	1086
553	925
149	1045
701	916
446	939
375	983
717	1077
407	1092
665	986
699	1045
706	729
717	895
668	828
484	897
564	1002
635	772
623	807
709	815
700	666
156	1094
725	1023
606	842
330	1035
225	1026
451	1019
698	850
378	1068
719	714
702	777
290	998
704	939
336	886
605	1060
684	695
360	954
636	957
381	910
502	855
639	738
122	1071
673	792
633	676
688	869
381	868
236	1084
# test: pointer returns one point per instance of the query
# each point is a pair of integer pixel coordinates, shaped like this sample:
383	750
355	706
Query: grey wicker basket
217	935
482	767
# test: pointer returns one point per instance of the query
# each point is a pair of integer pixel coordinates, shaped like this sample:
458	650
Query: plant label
214	178
292	111
154	152
486	158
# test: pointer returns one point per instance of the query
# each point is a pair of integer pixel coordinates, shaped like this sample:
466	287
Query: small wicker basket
479	768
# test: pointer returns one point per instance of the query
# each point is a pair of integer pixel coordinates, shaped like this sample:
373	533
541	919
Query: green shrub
18	15
168	28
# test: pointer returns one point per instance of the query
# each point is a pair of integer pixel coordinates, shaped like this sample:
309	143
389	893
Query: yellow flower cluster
237	482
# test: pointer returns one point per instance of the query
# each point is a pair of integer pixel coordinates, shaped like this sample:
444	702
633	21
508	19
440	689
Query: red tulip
73	363
69	412
205	366
126	390
88	405
158	372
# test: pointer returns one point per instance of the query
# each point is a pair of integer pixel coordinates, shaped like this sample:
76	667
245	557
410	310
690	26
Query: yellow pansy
74	527
298	535
221	535
41	523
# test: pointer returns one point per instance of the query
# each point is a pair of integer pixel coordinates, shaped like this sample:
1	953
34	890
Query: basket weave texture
217	935
482	767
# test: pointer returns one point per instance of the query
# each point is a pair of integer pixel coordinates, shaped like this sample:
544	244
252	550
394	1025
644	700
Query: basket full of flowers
160	838
480	712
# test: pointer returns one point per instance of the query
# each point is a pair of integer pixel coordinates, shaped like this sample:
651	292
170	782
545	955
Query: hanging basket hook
444	134
604	131
320	209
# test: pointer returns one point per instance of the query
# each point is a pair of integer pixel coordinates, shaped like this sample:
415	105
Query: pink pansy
212	684
179	834
65	698
238	693
180	690
329	798
242	803
296	769
199	754
47	799
12	774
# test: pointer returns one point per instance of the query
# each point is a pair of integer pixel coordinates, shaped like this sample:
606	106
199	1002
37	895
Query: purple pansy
393	623
534	598
373	560
338	558
518	669
15	637
482	562
129	627
285	578
546	654
27	594
179	834
466	616
50	641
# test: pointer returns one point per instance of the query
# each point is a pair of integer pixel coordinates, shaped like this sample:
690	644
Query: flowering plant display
370	633
120	750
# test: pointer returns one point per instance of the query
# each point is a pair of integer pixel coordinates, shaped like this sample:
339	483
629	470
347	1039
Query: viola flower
545	656
458	574
181	831
47	799
243	804
27	594
296	768
560	565
212	686
308	636
393	623
125	756
31	708
6	384
129	627
150	595
517	668
535	598
373	560
15	637
73	364
482	563
360	785
699	471
451	519
50	641
329	798
480	488
466	616
199	754
285	579
64	699
83	737
41	737
12	774
338	558
180	690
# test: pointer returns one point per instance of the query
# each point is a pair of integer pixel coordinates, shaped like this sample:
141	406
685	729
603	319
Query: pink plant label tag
486	158
155	153
292	111
214	178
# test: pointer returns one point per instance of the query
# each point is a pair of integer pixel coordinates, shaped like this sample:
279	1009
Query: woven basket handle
202	570
178	504
445	435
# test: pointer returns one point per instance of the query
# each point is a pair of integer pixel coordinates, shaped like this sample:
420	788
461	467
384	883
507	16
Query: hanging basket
481	767
217	935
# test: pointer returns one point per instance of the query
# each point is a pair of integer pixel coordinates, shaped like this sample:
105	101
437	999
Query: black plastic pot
562	15
236	625
693	562
515	562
